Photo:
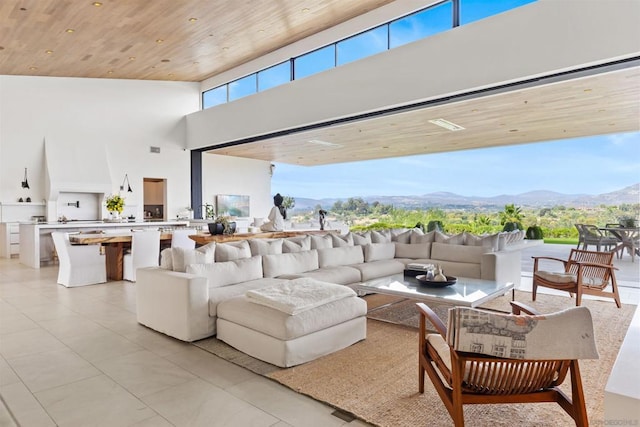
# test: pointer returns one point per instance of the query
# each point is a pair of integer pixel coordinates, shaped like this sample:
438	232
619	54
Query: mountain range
536	199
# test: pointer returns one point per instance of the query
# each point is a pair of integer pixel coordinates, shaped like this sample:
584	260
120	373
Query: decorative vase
114	215
215	228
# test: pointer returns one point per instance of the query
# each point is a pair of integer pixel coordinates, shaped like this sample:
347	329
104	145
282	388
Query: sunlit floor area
77	357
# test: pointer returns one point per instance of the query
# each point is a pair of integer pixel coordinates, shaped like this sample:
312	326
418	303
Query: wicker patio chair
585	273
471	378
593	236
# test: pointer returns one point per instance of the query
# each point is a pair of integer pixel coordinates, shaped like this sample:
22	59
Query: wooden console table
203	239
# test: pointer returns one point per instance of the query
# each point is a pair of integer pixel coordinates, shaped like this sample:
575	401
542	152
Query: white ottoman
283	339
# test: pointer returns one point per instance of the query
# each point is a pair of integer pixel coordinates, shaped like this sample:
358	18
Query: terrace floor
72	356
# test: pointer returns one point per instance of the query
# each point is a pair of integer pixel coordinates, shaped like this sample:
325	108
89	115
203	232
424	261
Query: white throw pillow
296	244
230	272
339	240
429	237
166	259
182	257
321	242
402	237
379	251
457	239
265	246
361	239
380	236
232	251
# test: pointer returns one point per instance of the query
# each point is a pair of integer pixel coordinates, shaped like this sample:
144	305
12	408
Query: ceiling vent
154	149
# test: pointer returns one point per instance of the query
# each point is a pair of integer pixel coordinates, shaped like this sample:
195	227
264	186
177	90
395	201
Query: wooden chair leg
577	396
420	377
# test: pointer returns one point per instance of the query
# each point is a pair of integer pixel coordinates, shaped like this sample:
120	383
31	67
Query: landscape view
554	185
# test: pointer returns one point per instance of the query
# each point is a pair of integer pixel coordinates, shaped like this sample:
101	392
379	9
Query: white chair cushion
557	277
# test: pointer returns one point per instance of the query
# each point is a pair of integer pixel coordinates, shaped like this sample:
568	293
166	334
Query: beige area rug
377	379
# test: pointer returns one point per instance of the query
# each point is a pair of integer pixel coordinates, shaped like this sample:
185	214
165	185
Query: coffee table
466	292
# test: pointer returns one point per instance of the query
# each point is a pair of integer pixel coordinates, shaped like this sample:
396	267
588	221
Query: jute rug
377	379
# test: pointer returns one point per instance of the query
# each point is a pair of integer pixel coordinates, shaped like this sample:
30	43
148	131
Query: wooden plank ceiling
191	40
185	40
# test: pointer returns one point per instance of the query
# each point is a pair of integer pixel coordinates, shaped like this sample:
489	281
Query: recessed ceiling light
48	51
170	74
588	90
305	10
32	68
225	48
513	130
193	19
195	62
70	30
165	60
261	31
446	124
96	4
325	143
159	41
132	58
110	72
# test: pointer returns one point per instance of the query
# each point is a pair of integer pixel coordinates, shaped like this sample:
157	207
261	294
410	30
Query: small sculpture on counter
321	214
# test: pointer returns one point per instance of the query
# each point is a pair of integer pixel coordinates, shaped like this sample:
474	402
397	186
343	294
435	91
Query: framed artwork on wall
232	205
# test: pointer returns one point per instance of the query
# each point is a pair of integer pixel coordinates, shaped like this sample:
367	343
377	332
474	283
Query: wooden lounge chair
470	378
585	272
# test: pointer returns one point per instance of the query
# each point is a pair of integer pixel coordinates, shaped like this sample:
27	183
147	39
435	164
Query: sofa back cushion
379	251
182	257
344	255
413	251
275	265
265	246
166	259
489	242
456	239
232	251
227	273
459	253
321	242
361	238
296	244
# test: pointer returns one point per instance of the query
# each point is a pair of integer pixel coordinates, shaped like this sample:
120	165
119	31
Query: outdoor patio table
628	237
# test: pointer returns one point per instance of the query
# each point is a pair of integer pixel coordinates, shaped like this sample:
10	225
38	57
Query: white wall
234	175
534	40
125	116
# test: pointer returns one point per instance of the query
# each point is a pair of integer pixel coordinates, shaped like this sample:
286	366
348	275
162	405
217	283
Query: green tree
511	213
288	202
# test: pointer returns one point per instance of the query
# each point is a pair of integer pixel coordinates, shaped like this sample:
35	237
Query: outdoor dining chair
460	359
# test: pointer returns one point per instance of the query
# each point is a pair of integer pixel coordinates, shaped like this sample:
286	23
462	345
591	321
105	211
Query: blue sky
591	165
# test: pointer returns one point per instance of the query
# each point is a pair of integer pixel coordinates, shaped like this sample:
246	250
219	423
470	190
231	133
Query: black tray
423	280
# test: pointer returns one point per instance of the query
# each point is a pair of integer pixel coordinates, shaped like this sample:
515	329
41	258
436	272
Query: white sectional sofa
181	297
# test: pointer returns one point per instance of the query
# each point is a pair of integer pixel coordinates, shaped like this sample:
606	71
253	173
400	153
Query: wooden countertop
203	239
105	238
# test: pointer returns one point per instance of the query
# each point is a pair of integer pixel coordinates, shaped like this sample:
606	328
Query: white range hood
75	168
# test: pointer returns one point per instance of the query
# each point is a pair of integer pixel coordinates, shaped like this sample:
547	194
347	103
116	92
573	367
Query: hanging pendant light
25	183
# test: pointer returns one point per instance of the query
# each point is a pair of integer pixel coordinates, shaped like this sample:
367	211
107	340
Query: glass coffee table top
465	292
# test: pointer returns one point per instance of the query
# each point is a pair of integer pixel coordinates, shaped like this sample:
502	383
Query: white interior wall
533	40
126	117
234	175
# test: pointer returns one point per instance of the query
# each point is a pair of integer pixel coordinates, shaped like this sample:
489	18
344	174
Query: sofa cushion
232	251
182	257
489	242
340	274
345	255
227	273
404	237
296	244
408	250
321	242
457	239
361	238
378	251
275	265
339	240
381	268
429	237
380	236
217	295
265	246
458	253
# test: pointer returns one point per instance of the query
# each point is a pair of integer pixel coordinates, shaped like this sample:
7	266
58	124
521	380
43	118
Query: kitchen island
36	245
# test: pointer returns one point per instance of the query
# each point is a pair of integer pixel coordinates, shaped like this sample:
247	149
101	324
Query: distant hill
537	199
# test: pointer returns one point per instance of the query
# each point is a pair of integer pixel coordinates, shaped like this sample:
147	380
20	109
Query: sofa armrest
502	266
174	303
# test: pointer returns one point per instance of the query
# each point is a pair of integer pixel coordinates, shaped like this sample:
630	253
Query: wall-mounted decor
232	205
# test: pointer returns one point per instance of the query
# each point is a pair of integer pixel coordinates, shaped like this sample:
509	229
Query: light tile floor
77	357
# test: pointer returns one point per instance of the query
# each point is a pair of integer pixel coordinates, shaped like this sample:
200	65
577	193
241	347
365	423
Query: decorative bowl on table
422	278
